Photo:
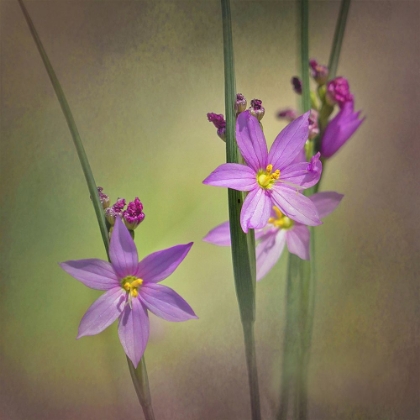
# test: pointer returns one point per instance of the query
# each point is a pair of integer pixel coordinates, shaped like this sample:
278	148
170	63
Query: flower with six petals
270	178
131	288
279	231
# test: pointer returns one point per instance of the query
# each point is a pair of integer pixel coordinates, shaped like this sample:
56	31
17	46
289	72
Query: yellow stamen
131	285
267	177
280	220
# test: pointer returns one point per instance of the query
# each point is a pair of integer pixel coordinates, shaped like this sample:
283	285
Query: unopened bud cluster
328	134
219	121
132	215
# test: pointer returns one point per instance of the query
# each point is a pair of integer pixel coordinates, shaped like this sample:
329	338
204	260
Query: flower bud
288	114
219	122
319	72
297	85
256	109
134	215
240	104
338	92
116	210
103	198
313	124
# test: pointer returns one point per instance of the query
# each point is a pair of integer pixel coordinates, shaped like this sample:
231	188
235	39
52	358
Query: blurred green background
140	78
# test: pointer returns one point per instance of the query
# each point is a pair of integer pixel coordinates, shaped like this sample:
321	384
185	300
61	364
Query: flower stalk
338	38
243	245
139	375
301	275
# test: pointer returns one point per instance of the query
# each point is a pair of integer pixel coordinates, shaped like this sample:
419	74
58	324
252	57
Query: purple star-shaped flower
131	289
271	178
280	231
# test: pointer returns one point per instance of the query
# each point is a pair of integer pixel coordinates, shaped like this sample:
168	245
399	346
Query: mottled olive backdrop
140	78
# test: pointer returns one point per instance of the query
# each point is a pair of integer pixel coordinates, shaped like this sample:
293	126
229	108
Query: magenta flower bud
319	72
256	109
103	198
219	122
340	129
134	215
313	124
288	114
297	85
240	104
338	92
116	210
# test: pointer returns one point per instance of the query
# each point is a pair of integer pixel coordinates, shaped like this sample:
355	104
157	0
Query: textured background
140	78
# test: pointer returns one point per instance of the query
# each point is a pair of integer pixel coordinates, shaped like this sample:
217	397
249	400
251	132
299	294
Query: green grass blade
243	245
139	375
73	129
338	38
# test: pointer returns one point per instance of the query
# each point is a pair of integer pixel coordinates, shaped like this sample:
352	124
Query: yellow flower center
280	220
131	285
266	177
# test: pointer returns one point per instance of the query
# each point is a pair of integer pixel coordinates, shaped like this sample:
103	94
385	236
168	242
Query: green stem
304	54
243	245
73	129
139	375
338	38
141	385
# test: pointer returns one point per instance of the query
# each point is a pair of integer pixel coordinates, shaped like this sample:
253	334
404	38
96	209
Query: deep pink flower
271	179
280	231
340	129
133	215
219	122
338	92
131	289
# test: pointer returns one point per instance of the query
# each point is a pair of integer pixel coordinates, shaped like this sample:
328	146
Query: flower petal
122	250
255	211
93	273
326	202
166	303
295	205
233	175
133	330
103	312
220	235
251	141
269	251
300	174
340	129
289	143
297	240
159	265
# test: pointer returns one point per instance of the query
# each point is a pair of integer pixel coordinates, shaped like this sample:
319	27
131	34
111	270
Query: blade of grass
139	375
338	38
73	129
243	245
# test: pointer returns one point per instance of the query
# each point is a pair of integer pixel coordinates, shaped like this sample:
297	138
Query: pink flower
280	231
133	215
270	178
131	288
340	129
338	92
219	122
